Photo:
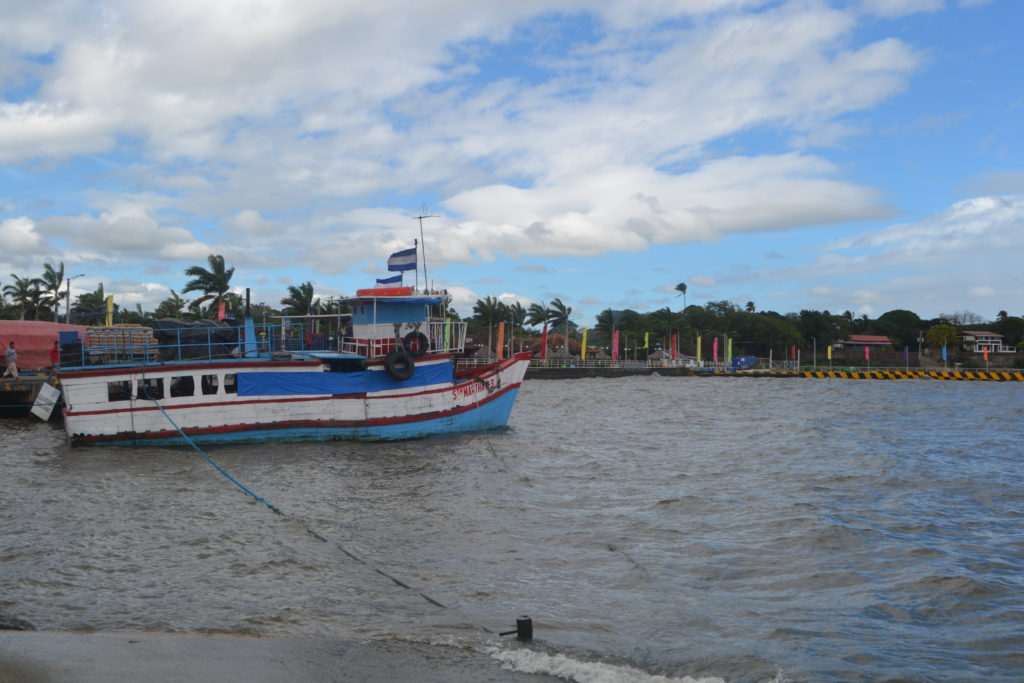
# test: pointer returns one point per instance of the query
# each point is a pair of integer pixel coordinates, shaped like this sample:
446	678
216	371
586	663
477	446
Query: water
741	529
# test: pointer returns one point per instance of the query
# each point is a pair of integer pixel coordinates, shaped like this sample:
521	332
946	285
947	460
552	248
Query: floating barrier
959	375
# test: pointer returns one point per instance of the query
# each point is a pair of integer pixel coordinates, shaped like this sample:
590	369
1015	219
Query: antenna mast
424	214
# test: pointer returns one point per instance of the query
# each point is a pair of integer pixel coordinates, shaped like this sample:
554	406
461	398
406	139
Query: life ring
416	343
399	365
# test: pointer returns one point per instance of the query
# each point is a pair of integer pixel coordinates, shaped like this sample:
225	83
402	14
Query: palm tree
300	300
25	294
91	307
170	307
50	284
213	283
516	318
681	288
538	314
560	315
489	309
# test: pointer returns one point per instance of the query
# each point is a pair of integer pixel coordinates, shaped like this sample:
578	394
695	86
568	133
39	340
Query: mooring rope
305	526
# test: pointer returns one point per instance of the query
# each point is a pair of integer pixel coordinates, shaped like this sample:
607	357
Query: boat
386	371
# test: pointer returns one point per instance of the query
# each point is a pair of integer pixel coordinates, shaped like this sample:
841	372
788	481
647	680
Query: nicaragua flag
403	260
393	280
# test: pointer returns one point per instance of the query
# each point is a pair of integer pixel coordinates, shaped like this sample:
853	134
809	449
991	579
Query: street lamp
67	318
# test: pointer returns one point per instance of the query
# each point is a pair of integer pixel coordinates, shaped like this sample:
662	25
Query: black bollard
524	628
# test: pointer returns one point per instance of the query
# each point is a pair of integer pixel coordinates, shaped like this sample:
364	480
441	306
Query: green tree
300	300
50	284
171	307
901	326
940	335
538	314
560	317
91	308
26	295
681	288
214	282
489	309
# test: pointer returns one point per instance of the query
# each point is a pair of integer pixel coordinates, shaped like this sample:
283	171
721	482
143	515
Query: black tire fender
416	344
400	365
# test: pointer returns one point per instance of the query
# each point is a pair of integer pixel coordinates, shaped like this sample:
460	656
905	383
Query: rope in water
305	526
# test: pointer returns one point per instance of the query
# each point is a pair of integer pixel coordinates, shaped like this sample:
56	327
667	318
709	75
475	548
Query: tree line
46	297
753	332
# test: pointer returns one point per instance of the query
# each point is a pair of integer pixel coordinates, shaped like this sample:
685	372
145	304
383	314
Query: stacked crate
121	343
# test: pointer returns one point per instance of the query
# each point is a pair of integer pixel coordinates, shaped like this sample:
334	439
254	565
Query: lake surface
733	529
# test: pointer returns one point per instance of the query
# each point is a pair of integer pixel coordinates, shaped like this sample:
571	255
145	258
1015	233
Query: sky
861	155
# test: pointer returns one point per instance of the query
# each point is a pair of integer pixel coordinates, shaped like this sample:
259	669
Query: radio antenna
424	214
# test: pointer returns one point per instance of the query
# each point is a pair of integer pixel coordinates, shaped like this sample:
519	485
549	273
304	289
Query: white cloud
982	291
703	280
900	8
20	236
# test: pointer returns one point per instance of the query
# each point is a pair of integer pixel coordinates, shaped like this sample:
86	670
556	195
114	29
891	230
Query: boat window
150	388
119	391
345	364
209	384
230	387
183	386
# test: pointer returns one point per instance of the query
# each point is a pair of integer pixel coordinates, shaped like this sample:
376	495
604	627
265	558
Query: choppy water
756	529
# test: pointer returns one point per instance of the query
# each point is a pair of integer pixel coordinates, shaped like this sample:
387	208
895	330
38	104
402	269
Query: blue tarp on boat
333	383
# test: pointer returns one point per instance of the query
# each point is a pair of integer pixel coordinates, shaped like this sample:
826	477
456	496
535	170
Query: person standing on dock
54	358
12	362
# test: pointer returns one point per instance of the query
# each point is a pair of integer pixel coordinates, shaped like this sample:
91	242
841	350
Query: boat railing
376	341
137	345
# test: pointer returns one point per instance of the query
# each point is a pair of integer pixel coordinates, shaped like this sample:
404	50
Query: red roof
868	340
980	333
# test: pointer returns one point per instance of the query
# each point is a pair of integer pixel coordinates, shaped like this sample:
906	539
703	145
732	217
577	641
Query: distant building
877	342
979	341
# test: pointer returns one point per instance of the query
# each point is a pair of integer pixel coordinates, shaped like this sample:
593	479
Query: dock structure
609	371
957	375
18	395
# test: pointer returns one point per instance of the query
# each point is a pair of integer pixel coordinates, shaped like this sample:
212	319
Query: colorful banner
647	340
829	353
110	311
714	351
583	345
615	345
728	351
698	348
220	311
867	352
943	352
985	350
544	342
501	341
792	352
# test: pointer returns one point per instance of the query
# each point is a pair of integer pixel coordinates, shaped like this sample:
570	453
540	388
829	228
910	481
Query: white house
980	340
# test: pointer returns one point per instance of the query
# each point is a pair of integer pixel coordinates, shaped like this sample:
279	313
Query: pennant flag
583	345
698	348
714	351
615	345
220	311
647	340
943	352
110	311
728	351
792	352
501	341
829	352
387	281
403	260
986	354
867	352
544	342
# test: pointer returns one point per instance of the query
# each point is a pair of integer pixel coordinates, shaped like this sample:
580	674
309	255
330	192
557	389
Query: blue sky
858	155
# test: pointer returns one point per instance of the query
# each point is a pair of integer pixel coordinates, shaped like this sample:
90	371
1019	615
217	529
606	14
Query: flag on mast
402	260
388	281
